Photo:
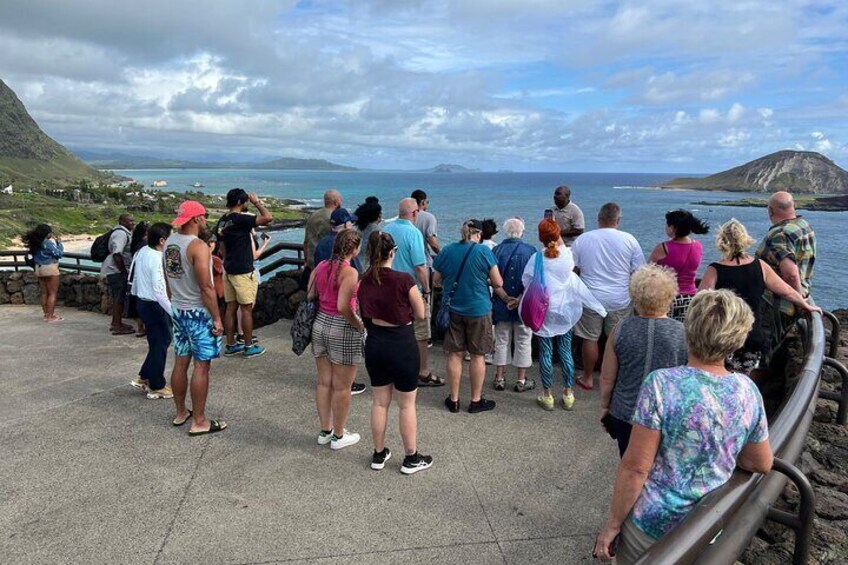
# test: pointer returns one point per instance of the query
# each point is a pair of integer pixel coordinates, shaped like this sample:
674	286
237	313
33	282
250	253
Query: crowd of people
676	361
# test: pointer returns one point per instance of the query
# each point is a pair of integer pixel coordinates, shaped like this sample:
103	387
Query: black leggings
391	357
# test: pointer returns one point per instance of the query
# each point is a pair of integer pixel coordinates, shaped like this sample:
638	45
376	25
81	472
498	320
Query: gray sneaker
529	384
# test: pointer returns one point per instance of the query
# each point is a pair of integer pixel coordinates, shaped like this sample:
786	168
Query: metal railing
283	255
722	524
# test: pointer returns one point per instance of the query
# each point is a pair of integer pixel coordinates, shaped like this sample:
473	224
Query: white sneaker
324	437
349	438
143	384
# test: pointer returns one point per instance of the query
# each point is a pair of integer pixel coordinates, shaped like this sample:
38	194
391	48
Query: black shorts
117	286
391	357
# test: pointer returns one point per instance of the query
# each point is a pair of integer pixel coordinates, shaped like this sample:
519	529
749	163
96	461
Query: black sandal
174	422
430	380
214	426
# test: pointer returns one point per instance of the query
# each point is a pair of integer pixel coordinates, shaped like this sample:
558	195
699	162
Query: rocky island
817	182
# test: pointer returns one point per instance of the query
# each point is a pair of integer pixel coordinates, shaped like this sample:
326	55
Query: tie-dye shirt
705	421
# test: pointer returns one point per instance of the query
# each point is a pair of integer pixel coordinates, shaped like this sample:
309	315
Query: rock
32	294
29	278
16	276
4	296
16	298
807	463
829	478
295	299
290	286
829	534
14	285
832	504
91	294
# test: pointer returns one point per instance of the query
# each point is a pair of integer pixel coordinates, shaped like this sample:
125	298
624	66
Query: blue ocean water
455	197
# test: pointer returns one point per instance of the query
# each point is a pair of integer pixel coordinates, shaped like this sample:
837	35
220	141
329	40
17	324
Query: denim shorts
193	335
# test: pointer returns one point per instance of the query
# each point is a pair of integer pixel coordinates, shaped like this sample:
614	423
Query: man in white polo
605	257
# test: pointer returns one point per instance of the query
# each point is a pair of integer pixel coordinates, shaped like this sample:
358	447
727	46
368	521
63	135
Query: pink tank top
684	258
328	288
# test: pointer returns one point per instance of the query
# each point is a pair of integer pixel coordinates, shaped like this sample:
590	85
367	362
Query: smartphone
264	236
549	214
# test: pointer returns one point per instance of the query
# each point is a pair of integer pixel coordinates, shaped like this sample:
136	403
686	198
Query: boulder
832	504
290	286
32	294
4	296
29	278
295	299
16	276
16	298
14	285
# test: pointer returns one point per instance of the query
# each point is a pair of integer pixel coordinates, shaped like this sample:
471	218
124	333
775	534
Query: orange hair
549	236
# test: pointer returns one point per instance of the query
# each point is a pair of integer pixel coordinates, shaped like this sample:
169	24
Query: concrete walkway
93	472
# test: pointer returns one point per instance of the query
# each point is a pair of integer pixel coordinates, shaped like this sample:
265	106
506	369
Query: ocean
455	197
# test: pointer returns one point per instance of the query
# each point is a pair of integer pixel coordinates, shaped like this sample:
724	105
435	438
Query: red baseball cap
188	210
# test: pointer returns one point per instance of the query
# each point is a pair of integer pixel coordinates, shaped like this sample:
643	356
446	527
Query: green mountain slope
28	156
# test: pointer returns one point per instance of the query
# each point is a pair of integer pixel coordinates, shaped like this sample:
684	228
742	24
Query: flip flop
430	380
122	331
187	418
54	319
214	426
583	385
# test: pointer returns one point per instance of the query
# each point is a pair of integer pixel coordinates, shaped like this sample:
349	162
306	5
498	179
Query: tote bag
301	329
535	302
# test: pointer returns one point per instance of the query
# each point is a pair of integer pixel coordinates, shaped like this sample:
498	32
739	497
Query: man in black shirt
240	281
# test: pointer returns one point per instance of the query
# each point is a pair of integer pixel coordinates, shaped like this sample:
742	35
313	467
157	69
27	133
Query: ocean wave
634	187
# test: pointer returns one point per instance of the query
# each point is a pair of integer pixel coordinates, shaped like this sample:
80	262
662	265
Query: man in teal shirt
411	258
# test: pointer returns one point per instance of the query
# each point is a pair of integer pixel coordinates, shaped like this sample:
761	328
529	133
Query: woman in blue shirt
470	310
46	250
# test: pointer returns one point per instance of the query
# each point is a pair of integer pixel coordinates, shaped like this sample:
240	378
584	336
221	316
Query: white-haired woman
675	457
747	276
512	255
648	341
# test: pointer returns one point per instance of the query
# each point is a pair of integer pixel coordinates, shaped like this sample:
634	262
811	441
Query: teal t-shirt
410	247
472	297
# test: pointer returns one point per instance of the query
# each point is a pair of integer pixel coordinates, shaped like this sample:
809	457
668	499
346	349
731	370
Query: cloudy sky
533	85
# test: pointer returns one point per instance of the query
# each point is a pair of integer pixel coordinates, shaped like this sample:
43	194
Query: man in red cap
197	321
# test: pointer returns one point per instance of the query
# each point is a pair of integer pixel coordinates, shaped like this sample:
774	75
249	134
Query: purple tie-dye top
705	421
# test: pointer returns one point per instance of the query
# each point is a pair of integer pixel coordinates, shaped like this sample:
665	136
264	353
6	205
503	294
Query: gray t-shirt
119	242
643	345
426	222
569	218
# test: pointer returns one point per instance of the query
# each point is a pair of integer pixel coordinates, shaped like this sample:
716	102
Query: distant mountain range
115	161
798	172
28	156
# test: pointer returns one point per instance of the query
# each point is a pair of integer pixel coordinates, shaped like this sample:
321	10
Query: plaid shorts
193	335
334	337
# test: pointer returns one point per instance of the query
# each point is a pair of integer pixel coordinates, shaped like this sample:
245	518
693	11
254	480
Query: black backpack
100	247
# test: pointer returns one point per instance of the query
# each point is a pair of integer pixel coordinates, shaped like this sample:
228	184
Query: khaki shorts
591	323
473	335
51	270
241	288
422	327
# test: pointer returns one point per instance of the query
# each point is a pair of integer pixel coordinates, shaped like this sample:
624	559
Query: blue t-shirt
472	294
410	247
512	256
324	251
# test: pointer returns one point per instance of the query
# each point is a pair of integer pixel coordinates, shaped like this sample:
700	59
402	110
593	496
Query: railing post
840	397
802	524
835	329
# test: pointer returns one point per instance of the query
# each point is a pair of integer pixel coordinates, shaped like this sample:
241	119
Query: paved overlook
93	472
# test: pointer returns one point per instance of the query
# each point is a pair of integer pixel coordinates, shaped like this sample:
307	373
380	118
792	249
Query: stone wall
279	295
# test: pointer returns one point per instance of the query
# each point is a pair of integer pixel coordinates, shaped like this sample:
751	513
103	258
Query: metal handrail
690	539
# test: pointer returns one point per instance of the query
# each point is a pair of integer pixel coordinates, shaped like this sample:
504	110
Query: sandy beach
75	243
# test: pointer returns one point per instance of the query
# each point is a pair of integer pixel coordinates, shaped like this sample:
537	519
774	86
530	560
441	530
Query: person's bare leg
179	385
52	285
42	286
590	357
324	393
454	364
230	322
499	373
343	376
381	398
423	358
521	373
199	390
477	370
408	421
117	313
247	323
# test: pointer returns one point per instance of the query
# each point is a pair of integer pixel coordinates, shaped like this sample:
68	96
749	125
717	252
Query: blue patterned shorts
193	335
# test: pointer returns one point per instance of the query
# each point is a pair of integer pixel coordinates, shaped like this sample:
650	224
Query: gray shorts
632	543
422	327
591	324
117	286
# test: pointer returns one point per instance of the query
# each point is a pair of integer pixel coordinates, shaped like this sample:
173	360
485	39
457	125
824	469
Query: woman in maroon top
388	302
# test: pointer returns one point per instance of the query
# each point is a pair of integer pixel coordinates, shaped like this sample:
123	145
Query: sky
525	85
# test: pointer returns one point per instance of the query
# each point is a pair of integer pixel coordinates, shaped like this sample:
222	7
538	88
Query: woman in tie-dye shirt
692	426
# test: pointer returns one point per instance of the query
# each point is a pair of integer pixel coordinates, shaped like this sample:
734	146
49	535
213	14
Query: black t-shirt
235	231
389	300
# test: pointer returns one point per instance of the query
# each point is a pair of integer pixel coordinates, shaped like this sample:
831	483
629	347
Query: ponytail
380	245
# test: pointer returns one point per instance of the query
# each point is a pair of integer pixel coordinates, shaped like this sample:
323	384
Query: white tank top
185	292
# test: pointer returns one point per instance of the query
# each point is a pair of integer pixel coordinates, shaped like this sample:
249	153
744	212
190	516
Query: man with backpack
115	268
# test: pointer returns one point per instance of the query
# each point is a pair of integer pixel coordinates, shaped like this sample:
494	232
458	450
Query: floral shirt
705	421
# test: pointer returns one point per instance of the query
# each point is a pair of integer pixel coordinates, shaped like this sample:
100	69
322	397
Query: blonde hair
732	239
717	324
467	231
653	289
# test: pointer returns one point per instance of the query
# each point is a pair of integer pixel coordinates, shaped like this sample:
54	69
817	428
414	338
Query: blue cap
341	216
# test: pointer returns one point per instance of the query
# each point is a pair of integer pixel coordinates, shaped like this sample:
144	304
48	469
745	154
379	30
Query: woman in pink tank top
682	254
338	338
